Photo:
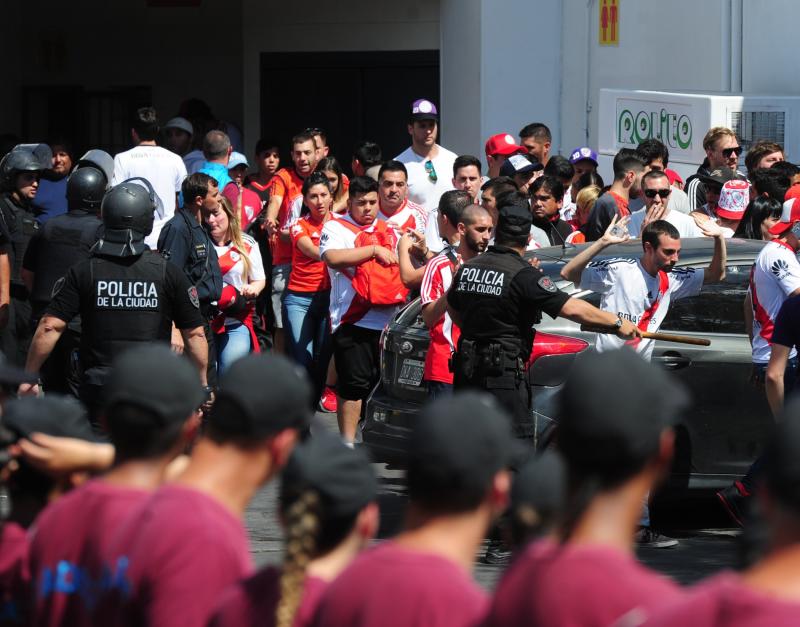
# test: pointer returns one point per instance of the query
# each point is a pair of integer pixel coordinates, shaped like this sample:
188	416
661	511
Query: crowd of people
127	468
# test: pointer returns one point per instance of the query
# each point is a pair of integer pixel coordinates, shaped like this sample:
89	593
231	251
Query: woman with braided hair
328	508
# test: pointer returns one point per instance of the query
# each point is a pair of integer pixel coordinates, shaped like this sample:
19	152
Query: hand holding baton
664	337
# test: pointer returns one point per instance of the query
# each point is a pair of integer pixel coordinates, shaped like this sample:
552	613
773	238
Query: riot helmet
99	159
85	189
128	212
24	158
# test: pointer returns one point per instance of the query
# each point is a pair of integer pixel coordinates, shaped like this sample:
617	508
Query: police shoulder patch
547	284
194	297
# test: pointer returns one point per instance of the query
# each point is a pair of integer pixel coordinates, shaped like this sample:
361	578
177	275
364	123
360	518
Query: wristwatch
618	323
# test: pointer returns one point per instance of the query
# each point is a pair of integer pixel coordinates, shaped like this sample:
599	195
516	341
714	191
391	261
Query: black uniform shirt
498	296
186	244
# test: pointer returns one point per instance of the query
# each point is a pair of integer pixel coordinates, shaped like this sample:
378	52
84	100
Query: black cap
514	220
718	177
260	395
613	409
520	164
341	476
457	446
156	379
782	458
11	375
56	415
540	485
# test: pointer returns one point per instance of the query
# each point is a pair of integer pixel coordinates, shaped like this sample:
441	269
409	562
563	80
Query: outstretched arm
574	269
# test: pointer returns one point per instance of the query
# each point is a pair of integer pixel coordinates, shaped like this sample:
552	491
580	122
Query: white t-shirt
628	290
686	226
163	169
776	274
336	236
421	189
232	265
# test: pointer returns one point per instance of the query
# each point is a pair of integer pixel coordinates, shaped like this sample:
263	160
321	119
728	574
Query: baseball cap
181	123
237	159
503	144
514	220
613	408
11	375
781	471
720	176
673	176
540	484
154	378
581	153
733	199
520	164
456	447
341	476
790	215
54	414
424	109
259	395
792	192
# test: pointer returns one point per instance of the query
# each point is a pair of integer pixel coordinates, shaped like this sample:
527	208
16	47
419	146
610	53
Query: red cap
792	192
503	144
673	176
790	215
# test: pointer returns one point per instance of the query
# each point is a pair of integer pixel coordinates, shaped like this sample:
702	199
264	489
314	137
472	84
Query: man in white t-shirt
656	192
162	168
356	326
640	290
429	165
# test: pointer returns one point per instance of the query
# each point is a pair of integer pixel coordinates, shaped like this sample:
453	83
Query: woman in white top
243	280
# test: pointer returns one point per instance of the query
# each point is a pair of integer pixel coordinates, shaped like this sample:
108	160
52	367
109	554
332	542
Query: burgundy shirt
726	601
577	586
253	601
175	556
392	586
14	574
68	542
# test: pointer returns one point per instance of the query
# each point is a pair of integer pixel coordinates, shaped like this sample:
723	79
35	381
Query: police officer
20	170
59	244
495	299
125	295
186	244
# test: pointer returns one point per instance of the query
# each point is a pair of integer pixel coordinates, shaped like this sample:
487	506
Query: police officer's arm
715	271
575	267
185	313
174	245
196	346
587	314
44	341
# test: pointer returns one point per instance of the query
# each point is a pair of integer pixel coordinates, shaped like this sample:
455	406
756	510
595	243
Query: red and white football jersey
444	334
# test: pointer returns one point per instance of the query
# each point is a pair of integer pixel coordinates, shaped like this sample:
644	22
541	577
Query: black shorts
357	354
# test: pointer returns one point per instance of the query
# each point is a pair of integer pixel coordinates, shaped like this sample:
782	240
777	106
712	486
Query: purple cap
424	109
584	152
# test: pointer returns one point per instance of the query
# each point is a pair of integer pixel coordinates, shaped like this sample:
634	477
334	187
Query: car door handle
673	361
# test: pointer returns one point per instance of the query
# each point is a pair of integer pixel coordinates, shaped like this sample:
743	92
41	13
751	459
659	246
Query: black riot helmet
85	189
127	212
24	158
100	159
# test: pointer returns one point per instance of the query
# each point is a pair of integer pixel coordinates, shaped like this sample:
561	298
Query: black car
717	439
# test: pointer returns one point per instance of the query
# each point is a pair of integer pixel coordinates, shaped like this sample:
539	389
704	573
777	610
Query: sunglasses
727	152
652	193
431	171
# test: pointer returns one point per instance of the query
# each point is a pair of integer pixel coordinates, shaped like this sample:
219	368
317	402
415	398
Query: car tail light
549	344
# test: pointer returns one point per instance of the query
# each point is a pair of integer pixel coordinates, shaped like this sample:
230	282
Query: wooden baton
664	337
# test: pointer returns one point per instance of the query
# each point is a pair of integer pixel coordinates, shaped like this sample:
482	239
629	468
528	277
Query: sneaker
327	402
646	537
497	553
734	502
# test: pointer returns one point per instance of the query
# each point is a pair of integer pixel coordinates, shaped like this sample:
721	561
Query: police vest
123	305
65	240
489	310
22	225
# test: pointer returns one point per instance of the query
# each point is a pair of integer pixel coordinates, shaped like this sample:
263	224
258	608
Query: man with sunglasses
657	191
722	151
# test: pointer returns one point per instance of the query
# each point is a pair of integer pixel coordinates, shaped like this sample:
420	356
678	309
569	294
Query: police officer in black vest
186	244
62	242
125	295
20	170
495	299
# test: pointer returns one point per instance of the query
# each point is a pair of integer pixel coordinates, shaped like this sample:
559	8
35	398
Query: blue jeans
306	320
234	344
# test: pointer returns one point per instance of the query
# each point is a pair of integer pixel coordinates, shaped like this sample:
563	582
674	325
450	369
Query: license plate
411	372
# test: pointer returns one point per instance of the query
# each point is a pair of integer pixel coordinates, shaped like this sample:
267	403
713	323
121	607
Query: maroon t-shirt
14	574
727	601
571	586
175	556
68	542
254	601
392	586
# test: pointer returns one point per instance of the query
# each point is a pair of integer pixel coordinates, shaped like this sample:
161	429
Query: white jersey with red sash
634	294
231	266
775	275
409	216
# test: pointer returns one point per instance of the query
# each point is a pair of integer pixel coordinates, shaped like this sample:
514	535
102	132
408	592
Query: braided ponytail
302	528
